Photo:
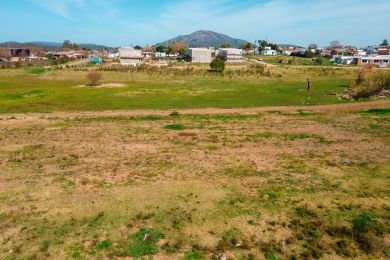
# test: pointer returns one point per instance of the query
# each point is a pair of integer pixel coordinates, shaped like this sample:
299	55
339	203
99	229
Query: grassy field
36	90
293	61
288	185
260	183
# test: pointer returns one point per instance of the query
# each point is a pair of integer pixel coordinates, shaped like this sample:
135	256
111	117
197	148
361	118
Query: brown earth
232	182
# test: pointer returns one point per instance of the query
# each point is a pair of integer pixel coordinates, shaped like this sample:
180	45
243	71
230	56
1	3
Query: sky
133	22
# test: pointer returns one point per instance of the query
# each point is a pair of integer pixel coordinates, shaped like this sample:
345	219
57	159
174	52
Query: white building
200	55
130	56
268	51
230	54
113	55
346	60
287	51
160	55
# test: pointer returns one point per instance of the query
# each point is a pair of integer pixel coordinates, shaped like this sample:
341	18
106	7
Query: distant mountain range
285	46
205	38
52	45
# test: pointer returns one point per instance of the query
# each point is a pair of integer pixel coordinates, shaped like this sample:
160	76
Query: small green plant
218	65
144	242
176	127
365	222
103	245
367	232
174	114
44	246
193	255
269	256
377	111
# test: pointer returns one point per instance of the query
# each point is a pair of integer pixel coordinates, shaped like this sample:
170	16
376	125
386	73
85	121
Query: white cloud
298	21
62	8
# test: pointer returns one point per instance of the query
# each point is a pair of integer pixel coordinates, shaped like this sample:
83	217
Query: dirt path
202	111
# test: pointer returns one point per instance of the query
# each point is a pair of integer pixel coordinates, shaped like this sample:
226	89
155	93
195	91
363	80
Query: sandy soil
205	111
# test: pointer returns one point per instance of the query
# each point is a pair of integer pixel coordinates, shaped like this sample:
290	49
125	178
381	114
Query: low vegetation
217	65
94	77
209	186
370	82
180	86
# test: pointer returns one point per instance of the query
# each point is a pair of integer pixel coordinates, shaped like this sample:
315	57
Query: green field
34	90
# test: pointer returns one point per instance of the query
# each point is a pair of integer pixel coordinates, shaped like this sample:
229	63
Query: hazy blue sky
129	22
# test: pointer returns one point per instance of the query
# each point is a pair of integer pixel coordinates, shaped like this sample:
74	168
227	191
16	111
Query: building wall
131	61
372	61
199	55
130	56
231	54
268	52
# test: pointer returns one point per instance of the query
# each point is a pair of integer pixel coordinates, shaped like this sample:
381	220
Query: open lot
242	85
291	184
251	166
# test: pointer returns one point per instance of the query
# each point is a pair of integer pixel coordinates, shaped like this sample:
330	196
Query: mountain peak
206	38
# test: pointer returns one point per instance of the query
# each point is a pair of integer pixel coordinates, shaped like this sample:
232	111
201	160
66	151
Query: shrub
369	83
365	222
218	65
94	77
367	230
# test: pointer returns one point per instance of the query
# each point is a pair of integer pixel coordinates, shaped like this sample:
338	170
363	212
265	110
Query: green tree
247	46
385	42
160	48
226	45
264	43
218	65
137	47
66	44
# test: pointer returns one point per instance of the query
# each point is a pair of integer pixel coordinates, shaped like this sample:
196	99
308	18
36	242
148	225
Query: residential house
345	60
361	52
160	55
383	60
230	54
199	55
130	56
147	54
94	59
287	51
383	50
113	55
268	51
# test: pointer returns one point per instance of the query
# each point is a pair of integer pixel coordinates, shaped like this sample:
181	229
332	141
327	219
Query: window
364	61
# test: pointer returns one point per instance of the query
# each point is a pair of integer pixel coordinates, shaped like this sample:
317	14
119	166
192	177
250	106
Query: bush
218	65
369	83
367	230
94	77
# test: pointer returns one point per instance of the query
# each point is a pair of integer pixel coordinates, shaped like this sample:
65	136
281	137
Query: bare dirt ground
207	111
287	182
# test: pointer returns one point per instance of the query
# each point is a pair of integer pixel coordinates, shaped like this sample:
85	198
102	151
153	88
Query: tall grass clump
370	83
